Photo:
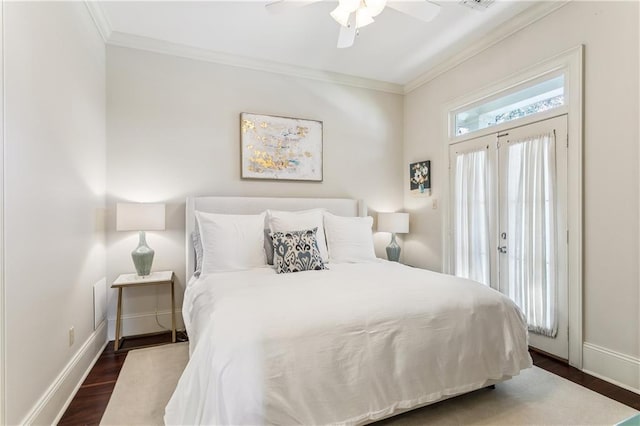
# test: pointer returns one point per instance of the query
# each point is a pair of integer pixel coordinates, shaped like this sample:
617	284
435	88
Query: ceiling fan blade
420	9
348	34
280	6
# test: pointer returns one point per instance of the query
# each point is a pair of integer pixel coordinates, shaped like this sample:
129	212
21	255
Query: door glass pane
531	230
471	216
534	99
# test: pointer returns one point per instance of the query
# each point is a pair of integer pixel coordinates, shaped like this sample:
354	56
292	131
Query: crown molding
164	47
99	19
116	38
519	22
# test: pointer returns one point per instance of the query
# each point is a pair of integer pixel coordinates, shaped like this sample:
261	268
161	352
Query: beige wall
609	31
173	132
54	159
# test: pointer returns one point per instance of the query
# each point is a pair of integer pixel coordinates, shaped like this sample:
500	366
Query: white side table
134	280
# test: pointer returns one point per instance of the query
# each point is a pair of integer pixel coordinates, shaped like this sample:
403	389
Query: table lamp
396	223
141	217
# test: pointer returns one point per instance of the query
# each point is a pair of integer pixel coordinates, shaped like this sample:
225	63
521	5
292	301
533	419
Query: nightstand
134	280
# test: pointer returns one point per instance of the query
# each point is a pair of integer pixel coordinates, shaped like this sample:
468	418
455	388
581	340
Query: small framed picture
420	178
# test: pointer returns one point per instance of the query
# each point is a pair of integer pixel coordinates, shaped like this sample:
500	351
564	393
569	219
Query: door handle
502	249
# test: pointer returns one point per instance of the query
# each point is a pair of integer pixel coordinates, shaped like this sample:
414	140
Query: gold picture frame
280	148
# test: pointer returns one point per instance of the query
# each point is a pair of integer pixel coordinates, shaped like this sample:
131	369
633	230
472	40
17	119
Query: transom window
535	98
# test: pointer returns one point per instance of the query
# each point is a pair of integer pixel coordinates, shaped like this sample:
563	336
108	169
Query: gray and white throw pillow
268	246
197	247
296	251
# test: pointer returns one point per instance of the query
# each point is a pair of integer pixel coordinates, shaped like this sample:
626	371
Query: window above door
524	100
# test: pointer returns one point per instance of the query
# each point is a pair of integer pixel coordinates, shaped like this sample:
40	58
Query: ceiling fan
355	14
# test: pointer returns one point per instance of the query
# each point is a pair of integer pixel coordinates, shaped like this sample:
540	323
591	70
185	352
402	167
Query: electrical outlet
72	336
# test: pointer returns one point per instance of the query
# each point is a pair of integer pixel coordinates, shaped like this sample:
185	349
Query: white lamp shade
140	216
393	222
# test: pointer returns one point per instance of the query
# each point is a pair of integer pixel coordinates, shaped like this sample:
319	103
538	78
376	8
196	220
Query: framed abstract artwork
280	148
420	178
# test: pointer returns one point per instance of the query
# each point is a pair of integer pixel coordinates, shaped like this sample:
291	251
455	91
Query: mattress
348	345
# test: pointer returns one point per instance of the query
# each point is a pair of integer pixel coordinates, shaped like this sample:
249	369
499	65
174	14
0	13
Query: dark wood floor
563	369
89	404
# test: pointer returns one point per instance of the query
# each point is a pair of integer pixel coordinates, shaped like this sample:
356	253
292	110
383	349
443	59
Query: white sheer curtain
472	256
531	230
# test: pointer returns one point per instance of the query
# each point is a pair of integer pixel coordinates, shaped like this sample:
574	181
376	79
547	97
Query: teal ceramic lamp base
393	249
143	256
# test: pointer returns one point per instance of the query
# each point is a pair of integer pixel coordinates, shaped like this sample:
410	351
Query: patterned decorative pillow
296	251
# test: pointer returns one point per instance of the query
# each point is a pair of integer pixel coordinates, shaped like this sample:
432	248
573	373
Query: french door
509	197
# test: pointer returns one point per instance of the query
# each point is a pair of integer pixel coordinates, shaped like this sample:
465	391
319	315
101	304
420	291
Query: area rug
535	397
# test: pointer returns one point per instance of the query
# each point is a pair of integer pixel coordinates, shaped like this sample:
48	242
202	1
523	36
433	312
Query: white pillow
350	239
231	242
283	221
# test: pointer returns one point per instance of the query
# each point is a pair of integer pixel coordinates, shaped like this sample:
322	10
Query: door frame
3	353
571	63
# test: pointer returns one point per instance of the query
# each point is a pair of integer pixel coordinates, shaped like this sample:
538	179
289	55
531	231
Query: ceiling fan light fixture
363	13
349	5
363	18
375	7
341	16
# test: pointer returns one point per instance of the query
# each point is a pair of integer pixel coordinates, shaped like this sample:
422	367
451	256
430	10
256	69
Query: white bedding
347	345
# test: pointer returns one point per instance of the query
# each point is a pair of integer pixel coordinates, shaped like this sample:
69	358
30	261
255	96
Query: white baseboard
144	323
620	369
53	403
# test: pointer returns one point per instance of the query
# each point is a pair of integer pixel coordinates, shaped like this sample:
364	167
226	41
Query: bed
351	344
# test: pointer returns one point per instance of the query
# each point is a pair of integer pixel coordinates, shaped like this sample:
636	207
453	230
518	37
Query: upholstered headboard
256	205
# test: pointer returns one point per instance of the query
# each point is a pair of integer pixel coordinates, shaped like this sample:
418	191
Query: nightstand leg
118	321
173	314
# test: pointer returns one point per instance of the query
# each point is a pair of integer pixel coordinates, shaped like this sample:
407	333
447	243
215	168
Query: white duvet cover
347	345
